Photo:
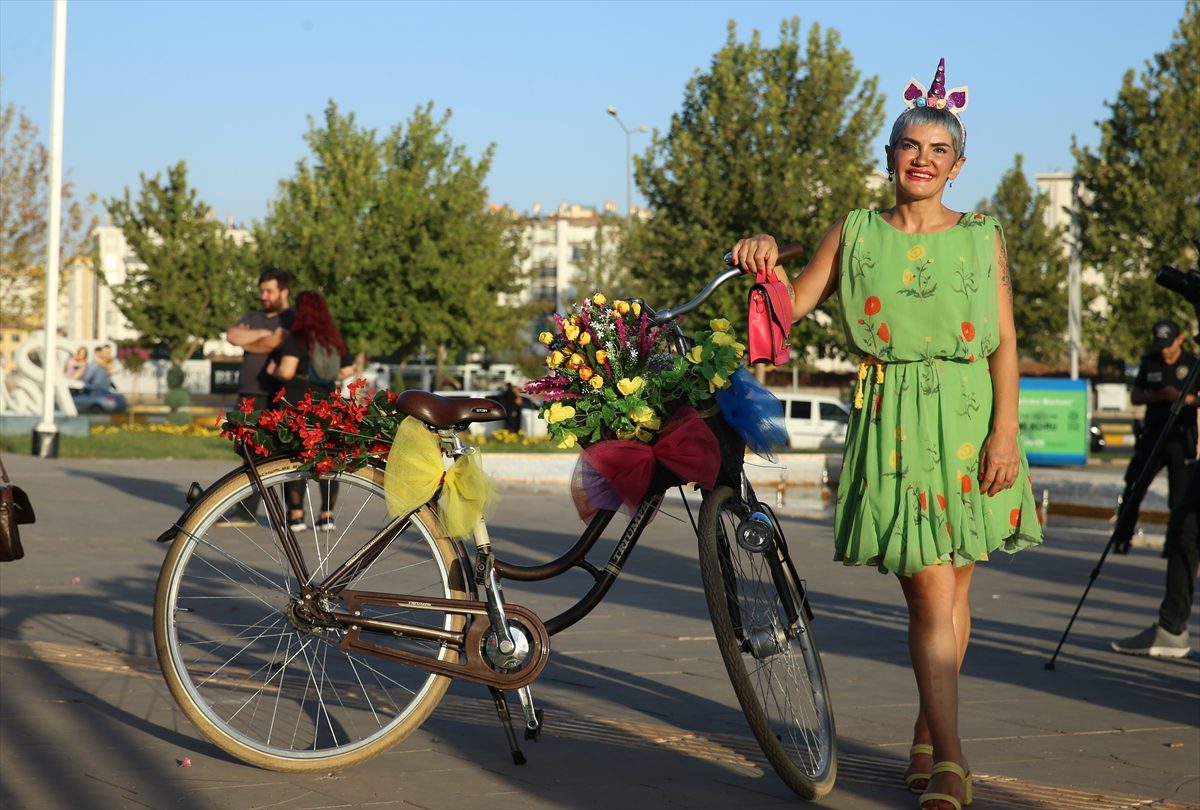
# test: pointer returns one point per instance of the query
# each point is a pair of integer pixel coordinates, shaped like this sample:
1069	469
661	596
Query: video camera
1184	282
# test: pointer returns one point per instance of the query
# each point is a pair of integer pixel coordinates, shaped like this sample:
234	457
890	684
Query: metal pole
628	162
45	435
628	174
1073	282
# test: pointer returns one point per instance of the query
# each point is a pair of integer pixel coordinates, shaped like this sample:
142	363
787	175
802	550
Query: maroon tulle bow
619	471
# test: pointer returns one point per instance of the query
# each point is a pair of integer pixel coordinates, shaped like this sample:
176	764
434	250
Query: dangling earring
889	175
951	184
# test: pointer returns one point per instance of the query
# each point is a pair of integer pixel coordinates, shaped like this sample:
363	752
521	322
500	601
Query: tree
24	205
1037	265
772	140
1141	206
397	234
319	225
191	280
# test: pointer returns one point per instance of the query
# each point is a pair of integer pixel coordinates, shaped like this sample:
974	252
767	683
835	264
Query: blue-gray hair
919	116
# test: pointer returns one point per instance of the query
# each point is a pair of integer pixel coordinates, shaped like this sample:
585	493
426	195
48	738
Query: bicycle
319	655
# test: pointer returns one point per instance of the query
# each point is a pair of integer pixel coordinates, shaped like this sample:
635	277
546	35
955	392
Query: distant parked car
95	400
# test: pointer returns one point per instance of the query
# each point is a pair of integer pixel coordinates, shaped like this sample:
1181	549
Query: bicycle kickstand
506	722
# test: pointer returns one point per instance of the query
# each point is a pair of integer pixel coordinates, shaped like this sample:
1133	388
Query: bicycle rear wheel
250	672
774	664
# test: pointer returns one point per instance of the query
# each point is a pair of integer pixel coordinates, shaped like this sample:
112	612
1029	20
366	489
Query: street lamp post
628	159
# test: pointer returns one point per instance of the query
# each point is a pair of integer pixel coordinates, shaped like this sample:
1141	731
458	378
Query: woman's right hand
758	254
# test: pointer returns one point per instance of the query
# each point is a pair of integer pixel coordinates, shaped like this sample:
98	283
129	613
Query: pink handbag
770	324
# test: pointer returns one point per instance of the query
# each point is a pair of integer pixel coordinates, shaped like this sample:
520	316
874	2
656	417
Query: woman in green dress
933	475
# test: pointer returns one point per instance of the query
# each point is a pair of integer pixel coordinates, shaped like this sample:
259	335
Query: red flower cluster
330	434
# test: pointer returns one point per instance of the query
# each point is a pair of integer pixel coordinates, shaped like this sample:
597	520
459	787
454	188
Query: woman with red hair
313	359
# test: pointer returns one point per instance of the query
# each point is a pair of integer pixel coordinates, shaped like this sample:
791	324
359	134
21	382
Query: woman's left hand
999	462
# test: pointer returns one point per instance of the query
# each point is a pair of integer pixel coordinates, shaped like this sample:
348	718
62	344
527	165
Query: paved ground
639	713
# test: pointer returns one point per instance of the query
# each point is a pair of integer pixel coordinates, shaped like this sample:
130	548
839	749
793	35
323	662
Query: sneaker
1156	642
297	525
325	524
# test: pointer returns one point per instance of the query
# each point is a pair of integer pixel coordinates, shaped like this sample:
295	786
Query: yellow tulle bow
415	469
863	369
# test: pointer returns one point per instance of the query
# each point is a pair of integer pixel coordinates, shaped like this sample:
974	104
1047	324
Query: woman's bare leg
923	763
936	643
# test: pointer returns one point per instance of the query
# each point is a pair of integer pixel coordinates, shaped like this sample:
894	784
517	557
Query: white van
814	420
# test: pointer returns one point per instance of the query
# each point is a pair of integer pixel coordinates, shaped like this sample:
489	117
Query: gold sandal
917	749
946	766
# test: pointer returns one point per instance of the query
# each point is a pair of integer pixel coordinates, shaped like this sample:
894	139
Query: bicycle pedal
536	731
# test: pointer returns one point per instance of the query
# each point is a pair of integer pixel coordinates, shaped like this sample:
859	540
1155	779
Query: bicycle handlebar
786	254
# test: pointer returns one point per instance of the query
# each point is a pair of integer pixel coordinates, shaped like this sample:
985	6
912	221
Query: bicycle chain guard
470	643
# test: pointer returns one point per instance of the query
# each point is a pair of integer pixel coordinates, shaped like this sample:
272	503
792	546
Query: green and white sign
1054	420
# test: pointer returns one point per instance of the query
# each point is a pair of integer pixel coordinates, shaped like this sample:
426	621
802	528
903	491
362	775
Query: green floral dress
921	309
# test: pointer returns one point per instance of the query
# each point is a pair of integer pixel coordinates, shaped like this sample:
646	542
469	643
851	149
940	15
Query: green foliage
397	234
24	201
771	140
191	280
175	376
1141	205
1037	265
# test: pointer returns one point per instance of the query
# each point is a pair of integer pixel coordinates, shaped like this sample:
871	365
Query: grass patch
134	441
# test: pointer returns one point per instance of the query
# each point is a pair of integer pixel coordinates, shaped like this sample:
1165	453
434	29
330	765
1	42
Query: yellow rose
546	337
621	307
719	325
637	309
627	386
585	338
568	441
559	413
966	450
908	276
715	382
601	357
916	252
576	361
555	359
585	373
644	416
599	300
596	382
571	331
723	339
695	353
739	349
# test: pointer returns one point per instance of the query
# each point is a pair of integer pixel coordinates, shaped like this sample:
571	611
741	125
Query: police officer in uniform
1159	382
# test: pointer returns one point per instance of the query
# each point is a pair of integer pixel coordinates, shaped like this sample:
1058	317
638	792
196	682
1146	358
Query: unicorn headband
954	100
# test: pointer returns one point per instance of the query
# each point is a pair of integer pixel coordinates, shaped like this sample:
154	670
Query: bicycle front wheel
773	663
254	675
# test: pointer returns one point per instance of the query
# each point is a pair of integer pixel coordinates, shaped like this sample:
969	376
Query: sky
228	86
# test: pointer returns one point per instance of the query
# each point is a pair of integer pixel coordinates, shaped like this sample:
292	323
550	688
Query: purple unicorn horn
938	88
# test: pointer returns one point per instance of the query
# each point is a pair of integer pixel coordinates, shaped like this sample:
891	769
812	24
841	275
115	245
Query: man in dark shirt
1159	382
260	333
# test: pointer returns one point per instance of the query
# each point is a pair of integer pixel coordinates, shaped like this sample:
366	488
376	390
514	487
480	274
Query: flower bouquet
615	389
612	375
330	434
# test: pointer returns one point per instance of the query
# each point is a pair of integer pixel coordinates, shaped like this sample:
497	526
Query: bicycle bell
754	533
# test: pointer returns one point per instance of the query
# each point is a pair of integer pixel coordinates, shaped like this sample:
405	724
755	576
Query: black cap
1165	332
